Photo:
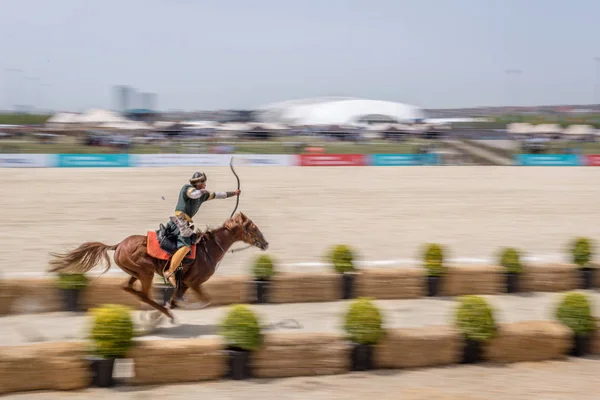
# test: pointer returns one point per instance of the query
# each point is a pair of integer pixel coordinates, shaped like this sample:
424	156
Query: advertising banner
384	160
183	160
330	160
592	160
25	160
264	160
92	160
571	160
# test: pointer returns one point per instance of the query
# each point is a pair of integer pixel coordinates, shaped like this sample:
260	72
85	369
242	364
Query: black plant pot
361	357
581	345
471	351
512	282
239	364
102	371
433	285
262	291
586	277
348	285
164	293
70	299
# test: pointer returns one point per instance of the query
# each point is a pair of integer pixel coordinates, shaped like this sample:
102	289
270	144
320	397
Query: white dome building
338	111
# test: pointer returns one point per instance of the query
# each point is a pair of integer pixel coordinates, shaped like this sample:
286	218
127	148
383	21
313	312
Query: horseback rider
191	196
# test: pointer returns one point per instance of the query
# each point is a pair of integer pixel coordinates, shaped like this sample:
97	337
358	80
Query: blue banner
92	160
382	160
570	160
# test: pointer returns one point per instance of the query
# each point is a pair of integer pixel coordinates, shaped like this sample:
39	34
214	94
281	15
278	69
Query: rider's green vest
187	205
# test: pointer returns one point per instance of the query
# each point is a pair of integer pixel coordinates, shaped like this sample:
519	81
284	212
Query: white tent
547	128
127	126
519	128
235	126
62	120
579	130
200	124
97	117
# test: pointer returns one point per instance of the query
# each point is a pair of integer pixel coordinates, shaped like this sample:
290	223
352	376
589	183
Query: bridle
246	235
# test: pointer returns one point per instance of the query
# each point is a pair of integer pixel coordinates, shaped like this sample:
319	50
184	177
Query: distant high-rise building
123	97
148	100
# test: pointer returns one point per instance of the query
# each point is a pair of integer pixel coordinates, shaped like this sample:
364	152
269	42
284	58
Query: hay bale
419	347
224	290
109	290
305	287
176	361
30	296
529	341
476	279
391	283
550	278
7	297
301	354
595	339
44	366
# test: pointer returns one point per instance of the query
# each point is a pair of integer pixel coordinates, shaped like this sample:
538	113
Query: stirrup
176	269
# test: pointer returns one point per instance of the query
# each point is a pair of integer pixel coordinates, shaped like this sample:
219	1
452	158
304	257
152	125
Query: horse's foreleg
172	303
204	299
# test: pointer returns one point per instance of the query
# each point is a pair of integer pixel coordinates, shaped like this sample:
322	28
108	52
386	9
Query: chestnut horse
131	256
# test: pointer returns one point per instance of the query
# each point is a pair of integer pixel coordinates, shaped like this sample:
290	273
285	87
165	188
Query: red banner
336	160
592	160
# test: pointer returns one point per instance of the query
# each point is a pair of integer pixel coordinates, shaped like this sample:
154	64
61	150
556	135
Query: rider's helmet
198	177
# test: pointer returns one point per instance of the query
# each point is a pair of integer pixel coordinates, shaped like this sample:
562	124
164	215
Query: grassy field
23	119
585	148
70	146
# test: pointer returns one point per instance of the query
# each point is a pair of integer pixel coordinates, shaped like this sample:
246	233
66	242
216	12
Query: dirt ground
553	380
384	212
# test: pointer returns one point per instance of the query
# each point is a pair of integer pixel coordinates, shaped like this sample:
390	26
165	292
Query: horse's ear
243	216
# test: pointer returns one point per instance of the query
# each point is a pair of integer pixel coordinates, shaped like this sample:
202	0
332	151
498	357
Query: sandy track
554	380
385	212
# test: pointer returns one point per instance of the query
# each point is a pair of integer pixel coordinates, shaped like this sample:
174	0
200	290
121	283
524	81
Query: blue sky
210	54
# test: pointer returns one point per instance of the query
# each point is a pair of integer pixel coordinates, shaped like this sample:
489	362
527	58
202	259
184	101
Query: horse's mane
229	224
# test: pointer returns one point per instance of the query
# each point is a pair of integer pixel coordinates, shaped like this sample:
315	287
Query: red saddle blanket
154	250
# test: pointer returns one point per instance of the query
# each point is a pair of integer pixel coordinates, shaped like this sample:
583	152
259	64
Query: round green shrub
342	258
112	331
263	267
72	281
511	260
574	311
581	251
475	318
434	259
363	322
241	328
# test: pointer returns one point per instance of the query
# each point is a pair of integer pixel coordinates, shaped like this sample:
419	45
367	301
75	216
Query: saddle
162	244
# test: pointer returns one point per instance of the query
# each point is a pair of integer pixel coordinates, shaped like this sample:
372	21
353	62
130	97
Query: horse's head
248	232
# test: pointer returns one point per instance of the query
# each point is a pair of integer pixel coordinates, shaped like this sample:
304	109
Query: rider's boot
175	263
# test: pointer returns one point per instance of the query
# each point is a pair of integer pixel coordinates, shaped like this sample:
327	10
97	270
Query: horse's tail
82	259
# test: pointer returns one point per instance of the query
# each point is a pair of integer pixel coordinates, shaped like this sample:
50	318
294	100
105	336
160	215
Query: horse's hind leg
143	295
129	284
